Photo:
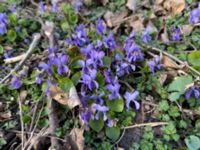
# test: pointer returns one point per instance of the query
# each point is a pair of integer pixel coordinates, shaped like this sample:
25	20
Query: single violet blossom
133	52
37	78
145	34
114	88
3	23
154	64
99	109
54	6
109	41
61	61
16	82
131	97
42	7
100	26
86	115
77	4
80	38
47	67
192	90
13	8
176	34
195	15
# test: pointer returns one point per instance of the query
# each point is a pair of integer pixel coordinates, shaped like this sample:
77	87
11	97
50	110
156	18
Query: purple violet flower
37	78
88	79
3	23
109	41
13	8
100	26
145	35
114	88
132	96
176	34
61	61
195	15
42	7
77	4
47	67
99	109
86	115
133	52
54	6
154	64
16	82
192	90
80	38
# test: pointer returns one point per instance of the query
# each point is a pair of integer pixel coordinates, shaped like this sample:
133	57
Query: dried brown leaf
169	63
5	115
116	19
77	139
137	23
131	4
162	78
71	99
104	2
163	35
158	2
187	29
174	6
23	94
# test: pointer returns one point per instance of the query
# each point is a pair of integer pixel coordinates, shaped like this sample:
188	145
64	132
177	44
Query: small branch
128	85
152	124
174	58
21	121
36	38
14	59
122	135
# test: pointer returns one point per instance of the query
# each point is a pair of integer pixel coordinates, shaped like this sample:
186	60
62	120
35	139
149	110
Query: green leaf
97	125
65	84
100	79
106	61
192	142
75	78
113	133
1	49
2	142
174	96
116	105
73	19
12	35
26	118
65	26
194	58
179	84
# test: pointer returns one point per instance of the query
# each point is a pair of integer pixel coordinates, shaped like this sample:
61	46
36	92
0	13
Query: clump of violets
145	34
195	15
154	64
3	23
193	90
176	33
93	96
16	82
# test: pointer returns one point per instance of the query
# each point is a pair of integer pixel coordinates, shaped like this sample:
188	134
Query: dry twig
152	124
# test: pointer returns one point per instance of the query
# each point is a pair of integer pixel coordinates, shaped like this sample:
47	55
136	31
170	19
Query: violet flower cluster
154	64
93	64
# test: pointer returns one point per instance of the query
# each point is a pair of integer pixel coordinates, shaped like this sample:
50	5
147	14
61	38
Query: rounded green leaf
12	35
116	105
97	125
65	84
194	58
113	133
